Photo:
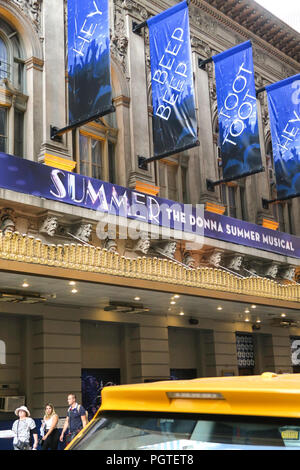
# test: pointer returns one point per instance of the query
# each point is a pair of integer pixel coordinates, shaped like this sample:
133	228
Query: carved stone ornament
32	9
288	273
7	221
142	245
271	271
49	225
84	232
189	260
235	262
215	258
167	249
110	245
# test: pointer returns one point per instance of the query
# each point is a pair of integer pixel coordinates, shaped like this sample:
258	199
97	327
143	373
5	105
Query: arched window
13	104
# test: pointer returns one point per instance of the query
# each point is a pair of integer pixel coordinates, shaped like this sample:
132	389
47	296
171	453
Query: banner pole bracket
210	185
202	63
267	202
137	27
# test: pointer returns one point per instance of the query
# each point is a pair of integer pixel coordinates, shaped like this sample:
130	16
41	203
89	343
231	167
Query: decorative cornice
238	27
23	248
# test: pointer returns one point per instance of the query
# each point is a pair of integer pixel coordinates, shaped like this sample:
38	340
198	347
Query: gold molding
59	162
146	188
271	224
23	248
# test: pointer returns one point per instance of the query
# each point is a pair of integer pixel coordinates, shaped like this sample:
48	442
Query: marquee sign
40	180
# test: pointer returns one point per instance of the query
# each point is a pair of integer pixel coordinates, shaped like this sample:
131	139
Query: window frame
101	132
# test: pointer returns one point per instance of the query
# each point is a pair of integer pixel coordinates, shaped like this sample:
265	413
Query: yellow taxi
253	412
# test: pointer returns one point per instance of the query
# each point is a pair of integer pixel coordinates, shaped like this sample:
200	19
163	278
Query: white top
21	429
48	422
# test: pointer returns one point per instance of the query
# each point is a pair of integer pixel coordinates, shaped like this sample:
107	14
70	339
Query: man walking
75	420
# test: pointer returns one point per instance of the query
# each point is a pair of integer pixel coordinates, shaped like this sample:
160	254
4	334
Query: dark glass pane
19	134
111	162
3	129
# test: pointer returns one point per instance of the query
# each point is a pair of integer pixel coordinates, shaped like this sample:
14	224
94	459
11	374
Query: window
233	198
96	150
172	179
233	195
3	129
13	102
282	211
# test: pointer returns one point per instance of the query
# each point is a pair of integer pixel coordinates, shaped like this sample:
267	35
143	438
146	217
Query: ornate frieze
32	9
17	247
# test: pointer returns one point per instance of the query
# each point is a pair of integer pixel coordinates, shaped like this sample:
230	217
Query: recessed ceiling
58	292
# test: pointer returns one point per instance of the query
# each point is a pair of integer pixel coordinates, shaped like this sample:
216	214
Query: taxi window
127	431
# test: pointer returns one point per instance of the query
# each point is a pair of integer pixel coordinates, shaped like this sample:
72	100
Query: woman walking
49	431
23	428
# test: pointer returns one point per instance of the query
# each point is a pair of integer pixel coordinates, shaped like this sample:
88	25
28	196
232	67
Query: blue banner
238	125
174	116
90	92
284	111
36	179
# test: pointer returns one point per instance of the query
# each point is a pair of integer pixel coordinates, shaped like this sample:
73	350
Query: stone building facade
78	299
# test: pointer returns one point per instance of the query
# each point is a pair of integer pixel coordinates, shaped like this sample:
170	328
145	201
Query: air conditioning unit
8	404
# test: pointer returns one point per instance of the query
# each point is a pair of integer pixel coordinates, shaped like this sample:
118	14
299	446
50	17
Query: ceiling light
72	283
258	321
283	315
247	310
137	298
253	306
219	308
74	291
181	313
173	302
247	319
176	296
25	284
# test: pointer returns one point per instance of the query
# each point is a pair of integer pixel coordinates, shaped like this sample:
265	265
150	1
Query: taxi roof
269	394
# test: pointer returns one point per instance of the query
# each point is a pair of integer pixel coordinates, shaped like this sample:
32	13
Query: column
282	350
206	151
225	348
149	352
56	364
139	127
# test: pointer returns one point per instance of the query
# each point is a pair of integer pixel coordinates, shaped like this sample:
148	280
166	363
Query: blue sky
287	10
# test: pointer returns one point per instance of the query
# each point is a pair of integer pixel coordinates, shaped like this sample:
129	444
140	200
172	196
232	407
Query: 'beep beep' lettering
240	101
171	75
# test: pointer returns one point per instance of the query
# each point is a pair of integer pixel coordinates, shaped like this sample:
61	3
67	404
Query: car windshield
160	431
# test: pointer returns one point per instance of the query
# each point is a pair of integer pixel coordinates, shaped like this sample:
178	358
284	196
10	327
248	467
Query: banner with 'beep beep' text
174	115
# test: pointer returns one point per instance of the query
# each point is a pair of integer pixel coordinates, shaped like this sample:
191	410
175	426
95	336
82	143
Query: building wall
46	352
